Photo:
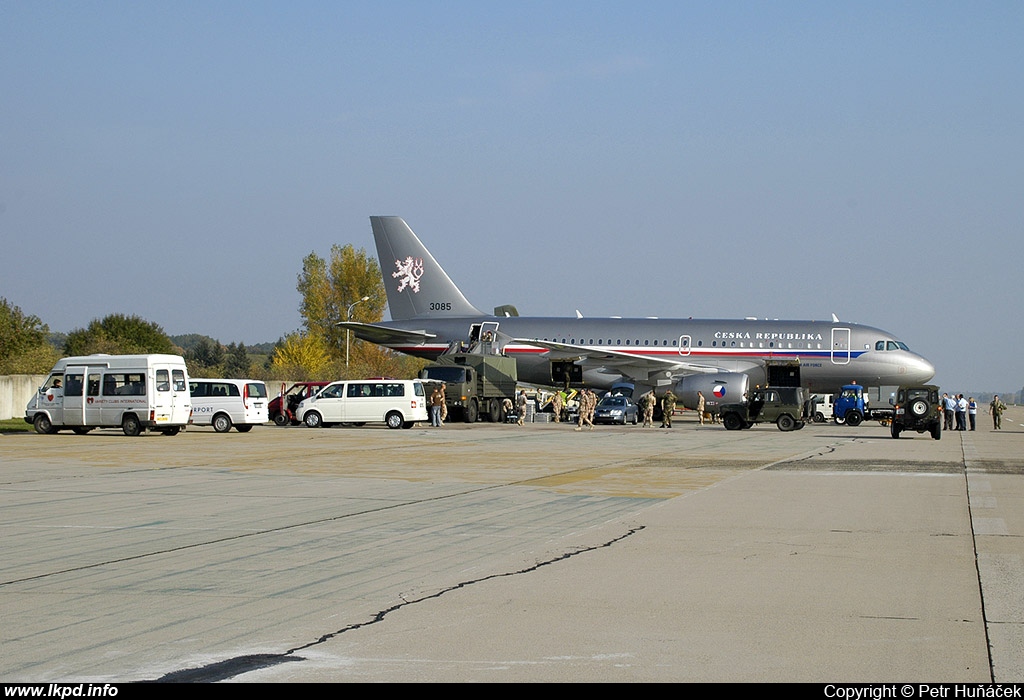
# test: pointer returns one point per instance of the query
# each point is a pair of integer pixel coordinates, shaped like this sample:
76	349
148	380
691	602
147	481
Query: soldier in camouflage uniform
668	405
647	402
588	402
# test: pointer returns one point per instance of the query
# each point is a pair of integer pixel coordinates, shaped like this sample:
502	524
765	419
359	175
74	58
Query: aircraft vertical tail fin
416	284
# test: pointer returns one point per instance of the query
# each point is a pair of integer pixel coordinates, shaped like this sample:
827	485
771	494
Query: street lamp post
348	315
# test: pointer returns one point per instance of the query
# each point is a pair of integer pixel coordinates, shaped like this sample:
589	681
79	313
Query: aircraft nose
919	370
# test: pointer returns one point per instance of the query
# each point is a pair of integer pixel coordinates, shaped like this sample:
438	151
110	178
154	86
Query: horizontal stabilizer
385	336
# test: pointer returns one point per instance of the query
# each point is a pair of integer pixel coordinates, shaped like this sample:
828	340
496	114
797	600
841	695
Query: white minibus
132	392
399	403
223	403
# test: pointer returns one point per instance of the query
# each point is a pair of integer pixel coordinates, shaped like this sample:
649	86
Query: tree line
345	287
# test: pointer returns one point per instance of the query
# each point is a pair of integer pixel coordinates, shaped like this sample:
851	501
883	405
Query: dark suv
917	408
783	406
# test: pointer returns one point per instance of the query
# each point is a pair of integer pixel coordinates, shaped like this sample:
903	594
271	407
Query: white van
399	403
822	407
226	402
131	392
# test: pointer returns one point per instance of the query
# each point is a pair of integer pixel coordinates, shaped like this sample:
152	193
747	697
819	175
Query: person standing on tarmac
521	406
648	402
668	405
948	411
972	411
700	407
996	408
556	406
436	401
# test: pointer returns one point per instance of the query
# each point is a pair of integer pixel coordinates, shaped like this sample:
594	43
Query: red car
283	412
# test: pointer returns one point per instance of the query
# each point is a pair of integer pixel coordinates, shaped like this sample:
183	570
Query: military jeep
917	408
785	406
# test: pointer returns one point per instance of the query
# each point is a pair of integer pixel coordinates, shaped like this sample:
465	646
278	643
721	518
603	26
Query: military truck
917	408
476	384
786	406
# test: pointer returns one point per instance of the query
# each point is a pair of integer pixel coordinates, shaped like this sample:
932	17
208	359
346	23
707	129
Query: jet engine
724	387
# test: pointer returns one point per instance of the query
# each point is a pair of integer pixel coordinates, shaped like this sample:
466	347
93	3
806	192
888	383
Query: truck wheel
130	425
853	418
43	425
281	419
786	422
495	411
937	430
394	420
731	421
819	417
895	430
472	411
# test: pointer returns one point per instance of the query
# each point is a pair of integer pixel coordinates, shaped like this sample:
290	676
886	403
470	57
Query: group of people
588	402
955	411
646	404
958	412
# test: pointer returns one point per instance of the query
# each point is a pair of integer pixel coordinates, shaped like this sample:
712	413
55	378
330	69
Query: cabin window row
700	343
120	383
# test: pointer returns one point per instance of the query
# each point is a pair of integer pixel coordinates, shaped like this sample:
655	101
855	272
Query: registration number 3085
440	306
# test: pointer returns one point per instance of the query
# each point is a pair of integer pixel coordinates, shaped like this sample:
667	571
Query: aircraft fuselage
830	354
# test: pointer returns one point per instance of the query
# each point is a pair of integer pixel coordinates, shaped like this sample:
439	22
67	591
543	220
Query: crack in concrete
229	668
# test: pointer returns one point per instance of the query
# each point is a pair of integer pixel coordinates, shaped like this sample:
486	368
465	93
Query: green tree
207	352
237	364
330	289
23	342
118	334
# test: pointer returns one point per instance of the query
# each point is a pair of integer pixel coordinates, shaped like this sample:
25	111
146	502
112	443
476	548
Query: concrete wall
15	392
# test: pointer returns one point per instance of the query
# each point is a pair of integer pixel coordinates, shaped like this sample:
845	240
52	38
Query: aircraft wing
383	335
628	364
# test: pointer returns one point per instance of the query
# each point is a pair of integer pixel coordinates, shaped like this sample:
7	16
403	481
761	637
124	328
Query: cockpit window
890	345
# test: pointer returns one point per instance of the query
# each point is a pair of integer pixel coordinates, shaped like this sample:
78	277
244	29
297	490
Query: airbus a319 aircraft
721	358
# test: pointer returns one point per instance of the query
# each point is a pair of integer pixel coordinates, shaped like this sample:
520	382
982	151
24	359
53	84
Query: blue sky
178	160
